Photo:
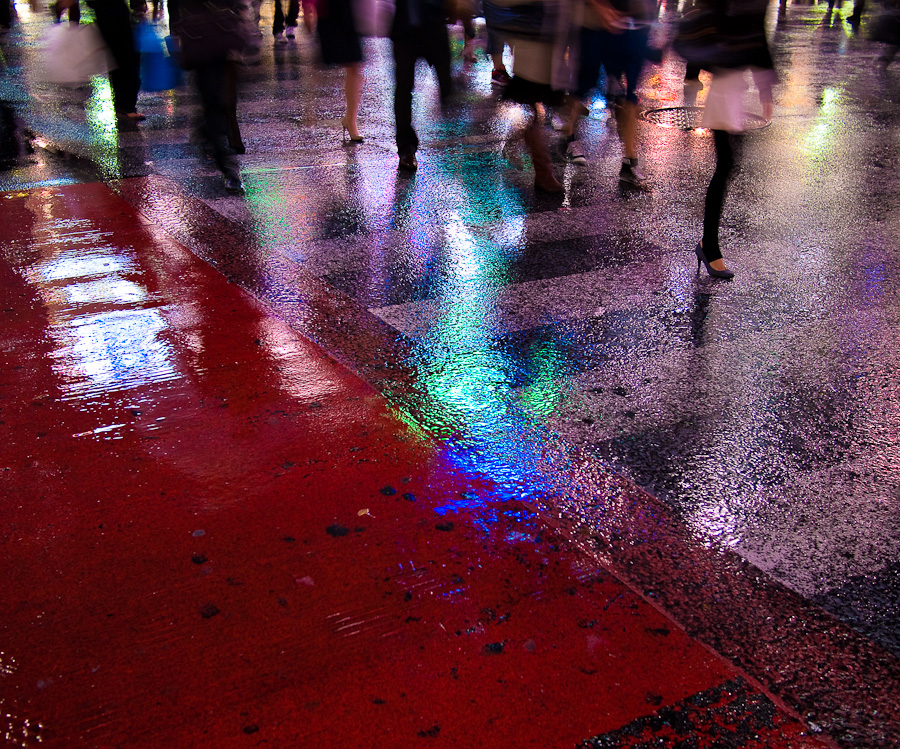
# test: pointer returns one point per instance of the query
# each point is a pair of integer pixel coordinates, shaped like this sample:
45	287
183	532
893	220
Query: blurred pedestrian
419	30
284	27
538	35
341	44
210	34
113	20
614	37
742	46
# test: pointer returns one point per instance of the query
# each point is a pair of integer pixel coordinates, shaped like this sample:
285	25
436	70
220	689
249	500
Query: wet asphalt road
764	412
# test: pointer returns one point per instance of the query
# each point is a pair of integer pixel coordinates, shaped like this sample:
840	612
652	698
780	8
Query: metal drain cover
688	118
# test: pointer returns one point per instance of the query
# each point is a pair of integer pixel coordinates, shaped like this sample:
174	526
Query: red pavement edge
830	674
216	535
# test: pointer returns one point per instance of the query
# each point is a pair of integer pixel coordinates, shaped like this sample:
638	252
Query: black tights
728	151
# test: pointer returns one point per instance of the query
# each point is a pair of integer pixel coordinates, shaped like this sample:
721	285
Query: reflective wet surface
565	349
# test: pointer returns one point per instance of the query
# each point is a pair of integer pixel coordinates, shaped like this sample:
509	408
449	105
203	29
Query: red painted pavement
215	535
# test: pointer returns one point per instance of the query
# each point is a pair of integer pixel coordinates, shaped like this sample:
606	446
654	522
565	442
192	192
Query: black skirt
338	37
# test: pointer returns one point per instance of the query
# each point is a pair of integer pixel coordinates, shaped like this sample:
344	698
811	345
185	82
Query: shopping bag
159	71
72	54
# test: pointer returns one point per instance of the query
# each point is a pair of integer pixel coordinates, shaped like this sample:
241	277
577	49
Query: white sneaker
557	122
575	153
279	38
290	32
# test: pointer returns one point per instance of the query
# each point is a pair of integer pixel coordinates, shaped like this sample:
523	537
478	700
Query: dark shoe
408	162
701	259
238	148
347	133
234	185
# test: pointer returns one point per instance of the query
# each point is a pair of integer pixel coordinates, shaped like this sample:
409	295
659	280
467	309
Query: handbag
159	71
73	53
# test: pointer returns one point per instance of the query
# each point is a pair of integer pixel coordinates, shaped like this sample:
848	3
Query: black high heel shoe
701	258
345	134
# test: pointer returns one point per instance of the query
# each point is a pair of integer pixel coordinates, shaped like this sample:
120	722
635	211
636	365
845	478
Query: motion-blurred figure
419	31
614	37
341	45
210	34
742	42
284	27
538	35
113	19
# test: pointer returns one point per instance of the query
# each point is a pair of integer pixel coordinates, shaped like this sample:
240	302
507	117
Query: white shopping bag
72	54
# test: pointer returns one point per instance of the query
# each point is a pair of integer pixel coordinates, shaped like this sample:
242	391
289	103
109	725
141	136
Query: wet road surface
566	350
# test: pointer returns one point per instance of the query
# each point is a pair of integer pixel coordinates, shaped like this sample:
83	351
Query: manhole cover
688	118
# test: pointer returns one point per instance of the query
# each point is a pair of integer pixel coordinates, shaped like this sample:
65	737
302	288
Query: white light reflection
300	369
112	351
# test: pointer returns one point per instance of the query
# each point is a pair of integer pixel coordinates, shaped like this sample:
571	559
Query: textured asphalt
566	348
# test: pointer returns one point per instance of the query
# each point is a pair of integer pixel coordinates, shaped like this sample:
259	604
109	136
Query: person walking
614	36
210	32
113	19
540	72
284	27
742	47
419	30
341	44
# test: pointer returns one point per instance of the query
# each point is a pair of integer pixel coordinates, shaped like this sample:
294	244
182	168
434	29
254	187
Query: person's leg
293	14
230	100
210	81
589	63
727	148
354	78
631	54
468	25
114	24
533	135
278	21
435	48
405	57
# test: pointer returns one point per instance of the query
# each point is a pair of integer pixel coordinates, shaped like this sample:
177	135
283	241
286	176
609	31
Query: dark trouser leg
405	56
234	129
278	20
210	79
114	24
293	12
435	46
727	153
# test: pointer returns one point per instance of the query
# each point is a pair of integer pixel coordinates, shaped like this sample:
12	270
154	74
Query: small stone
444	526
251	729
337	530
388	491
209	611
199	558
